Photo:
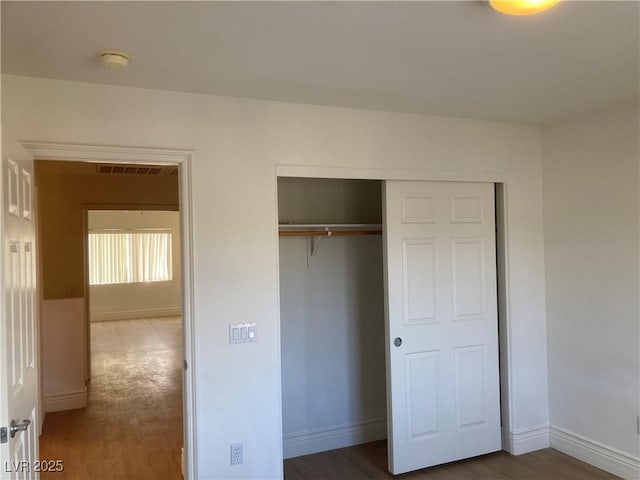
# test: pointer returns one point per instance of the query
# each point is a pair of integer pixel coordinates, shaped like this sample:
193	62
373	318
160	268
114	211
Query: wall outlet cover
237	454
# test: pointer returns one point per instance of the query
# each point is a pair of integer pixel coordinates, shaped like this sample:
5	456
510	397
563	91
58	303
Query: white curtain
129	257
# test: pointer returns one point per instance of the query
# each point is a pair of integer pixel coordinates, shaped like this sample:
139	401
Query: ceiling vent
118	169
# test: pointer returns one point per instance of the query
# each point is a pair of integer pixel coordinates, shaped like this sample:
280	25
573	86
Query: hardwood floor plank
132	426
369	461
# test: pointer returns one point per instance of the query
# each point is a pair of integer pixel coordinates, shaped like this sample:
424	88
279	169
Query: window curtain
129	257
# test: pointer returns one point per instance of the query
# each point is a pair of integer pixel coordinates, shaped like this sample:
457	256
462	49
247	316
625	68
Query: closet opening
331	314
392	294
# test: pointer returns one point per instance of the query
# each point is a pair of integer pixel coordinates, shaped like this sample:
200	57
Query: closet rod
330	233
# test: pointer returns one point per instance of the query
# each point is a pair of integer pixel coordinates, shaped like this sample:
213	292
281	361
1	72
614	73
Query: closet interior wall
331	317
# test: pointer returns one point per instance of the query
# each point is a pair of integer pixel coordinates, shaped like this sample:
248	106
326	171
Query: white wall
138	300
333	355
332	319
591	212
63	354
237	144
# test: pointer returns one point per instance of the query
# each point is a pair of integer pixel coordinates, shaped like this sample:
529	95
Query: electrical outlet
237	454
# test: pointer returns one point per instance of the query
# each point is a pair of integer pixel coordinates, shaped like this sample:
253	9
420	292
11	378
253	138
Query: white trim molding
159	156
335	436
387	174
57	402
595	453
104	153
526	440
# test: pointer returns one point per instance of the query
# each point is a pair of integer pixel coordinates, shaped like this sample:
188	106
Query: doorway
440	282
179	162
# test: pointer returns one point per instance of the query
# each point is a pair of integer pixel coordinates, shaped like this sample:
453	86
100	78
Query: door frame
502	258
165	157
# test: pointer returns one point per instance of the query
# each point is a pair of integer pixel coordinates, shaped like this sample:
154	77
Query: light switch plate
242	333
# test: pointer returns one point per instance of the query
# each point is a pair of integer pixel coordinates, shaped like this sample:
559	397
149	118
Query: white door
442	333
18	327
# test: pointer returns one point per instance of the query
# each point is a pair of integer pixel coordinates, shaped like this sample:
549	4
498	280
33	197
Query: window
129	256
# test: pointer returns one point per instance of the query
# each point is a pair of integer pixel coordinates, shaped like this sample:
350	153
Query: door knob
397	342
18	427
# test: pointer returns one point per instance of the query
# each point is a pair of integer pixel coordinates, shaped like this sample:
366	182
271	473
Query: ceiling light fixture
114	58
522	7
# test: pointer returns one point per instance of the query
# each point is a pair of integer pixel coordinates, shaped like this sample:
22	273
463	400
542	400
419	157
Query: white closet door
442	337
18	319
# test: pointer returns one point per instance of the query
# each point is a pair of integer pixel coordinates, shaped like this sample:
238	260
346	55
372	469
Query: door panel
422	387
442	341
18	323
418	265
468	278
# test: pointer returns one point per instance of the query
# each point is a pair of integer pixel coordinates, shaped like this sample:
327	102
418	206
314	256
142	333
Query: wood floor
132	426
369	461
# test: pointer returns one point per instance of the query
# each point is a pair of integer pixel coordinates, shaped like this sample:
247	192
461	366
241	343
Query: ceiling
454	58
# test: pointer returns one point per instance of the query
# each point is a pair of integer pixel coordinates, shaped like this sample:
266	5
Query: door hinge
3	435
185	364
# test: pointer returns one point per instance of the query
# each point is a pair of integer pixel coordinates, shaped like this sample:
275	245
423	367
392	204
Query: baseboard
526	440
57	402
595	453
330	438
135	314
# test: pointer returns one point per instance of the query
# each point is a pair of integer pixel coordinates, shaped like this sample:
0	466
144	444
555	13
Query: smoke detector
114	58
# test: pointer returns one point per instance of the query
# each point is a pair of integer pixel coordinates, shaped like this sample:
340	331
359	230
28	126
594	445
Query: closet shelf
328	229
